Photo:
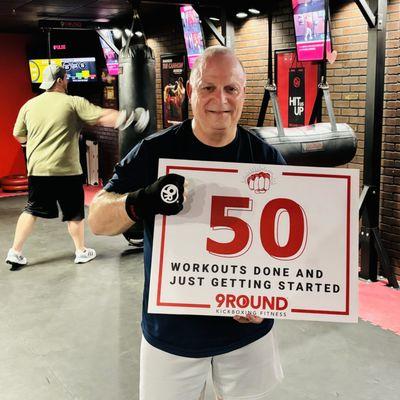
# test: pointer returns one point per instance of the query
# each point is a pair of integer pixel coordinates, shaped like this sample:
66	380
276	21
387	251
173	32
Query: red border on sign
163	228
294	310
347	178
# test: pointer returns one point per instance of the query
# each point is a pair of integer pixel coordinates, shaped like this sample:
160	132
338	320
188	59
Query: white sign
274	241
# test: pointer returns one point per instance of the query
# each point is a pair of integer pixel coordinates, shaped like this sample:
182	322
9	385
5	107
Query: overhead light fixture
254	11
214	19
101	20
139	33
128	32
241	15
117	33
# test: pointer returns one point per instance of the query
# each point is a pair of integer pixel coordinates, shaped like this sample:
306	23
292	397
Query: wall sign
297	87
173	84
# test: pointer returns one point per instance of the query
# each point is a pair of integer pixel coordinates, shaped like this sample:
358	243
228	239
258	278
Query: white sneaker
136	242
14	257
84	256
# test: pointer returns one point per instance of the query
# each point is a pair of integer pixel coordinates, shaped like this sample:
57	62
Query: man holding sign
178	350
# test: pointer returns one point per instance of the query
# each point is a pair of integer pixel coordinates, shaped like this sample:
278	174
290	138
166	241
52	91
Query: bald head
209	54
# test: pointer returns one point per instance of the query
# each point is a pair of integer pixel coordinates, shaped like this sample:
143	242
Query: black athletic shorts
46	191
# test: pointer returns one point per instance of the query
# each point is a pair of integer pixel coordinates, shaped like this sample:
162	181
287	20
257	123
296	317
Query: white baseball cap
50	74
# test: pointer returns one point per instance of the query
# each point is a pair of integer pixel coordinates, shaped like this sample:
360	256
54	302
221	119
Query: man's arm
120	120
107	214
20	131
111	213
109	118
95	115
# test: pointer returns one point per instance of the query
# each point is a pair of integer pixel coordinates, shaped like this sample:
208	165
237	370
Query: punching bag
314	145
137	90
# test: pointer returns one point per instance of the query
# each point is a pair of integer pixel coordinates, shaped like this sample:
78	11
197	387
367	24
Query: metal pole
370	238
275	105
49	45
227	29
270	80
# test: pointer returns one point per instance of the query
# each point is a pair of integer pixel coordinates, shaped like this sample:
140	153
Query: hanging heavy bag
137	93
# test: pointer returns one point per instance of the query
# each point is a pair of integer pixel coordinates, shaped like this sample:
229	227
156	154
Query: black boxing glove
164	196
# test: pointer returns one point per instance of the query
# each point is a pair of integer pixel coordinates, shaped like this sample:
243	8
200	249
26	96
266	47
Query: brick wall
347	79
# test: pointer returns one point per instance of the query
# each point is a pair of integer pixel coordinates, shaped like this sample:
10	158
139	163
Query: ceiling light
214	18
117	33
241	15
101	20
254	11
139	33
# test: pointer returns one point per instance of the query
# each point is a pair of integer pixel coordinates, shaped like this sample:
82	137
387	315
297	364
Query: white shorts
249	373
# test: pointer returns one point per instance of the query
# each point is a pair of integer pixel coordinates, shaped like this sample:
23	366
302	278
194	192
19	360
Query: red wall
15	90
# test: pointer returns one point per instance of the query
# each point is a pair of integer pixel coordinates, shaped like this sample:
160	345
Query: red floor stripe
12	194
380	305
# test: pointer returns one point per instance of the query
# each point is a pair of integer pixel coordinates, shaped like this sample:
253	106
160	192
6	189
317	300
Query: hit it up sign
274	241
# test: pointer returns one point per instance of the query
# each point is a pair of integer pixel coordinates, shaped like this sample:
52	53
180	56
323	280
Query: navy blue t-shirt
189	335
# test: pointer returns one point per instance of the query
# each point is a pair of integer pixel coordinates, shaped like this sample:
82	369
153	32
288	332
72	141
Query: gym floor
72	332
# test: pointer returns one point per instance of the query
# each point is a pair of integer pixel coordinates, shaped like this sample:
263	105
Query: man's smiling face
217	95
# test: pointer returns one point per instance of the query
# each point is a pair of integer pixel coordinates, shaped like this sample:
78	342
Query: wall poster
173	85
297	87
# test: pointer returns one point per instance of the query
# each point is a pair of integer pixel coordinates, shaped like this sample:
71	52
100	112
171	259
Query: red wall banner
297	86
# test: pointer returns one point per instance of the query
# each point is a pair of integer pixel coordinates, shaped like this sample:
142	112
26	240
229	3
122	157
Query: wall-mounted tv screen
82	69
309	26
109	54
193	33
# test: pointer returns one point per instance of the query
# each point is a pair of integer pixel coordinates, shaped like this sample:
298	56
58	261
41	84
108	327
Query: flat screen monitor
309	26
82	69
193	33
109	54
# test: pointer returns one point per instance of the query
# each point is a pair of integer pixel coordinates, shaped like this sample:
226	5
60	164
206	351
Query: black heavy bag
137	89
312	145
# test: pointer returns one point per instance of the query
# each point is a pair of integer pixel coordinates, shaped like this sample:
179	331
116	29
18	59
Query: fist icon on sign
259	182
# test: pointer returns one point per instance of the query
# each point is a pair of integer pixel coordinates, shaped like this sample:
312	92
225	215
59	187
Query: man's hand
165	196
248	319
139	117
22	140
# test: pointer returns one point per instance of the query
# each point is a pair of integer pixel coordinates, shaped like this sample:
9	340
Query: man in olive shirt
50	124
